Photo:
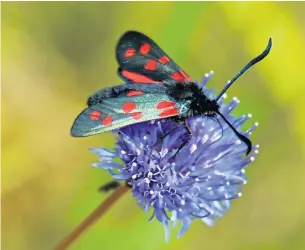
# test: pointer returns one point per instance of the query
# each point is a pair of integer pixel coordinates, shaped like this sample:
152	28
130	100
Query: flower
198	182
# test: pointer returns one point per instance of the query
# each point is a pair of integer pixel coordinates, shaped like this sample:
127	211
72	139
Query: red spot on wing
107	121
134	93
181	76
95	115
165	104
163	60
185	75
151	65
130	52
128	107
169	112
136	115
138	78
145	48
178	77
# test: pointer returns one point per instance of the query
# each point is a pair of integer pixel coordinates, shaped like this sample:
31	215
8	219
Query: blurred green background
55	54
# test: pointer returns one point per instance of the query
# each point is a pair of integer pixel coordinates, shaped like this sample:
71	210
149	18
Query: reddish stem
92	218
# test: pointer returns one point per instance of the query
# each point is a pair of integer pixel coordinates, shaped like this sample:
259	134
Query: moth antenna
243	138
249	65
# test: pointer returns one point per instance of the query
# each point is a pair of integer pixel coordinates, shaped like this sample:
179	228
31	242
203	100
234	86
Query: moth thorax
211	107
205	106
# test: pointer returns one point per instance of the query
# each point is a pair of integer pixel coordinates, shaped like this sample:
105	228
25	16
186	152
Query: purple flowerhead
199	181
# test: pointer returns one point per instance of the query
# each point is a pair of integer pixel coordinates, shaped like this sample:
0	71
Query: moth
155	88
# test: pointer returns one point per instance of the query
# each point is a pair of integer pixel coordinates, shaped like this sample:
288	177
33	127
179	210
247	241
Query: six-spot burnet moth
155	88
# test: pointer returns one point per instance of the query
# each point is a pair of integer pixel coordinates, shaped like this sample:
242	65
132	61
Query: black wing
142	61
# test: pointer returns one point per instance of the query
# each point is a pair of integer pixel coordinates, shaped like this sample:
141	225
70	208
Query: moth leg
168	133
187	128
109	186
161	138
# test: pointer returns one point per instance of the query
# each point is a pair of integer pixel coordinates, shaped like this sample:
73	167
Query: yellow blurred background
55	54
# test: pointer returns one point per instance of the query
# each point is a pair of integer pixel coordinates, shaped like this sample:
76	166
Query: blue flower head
199	181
